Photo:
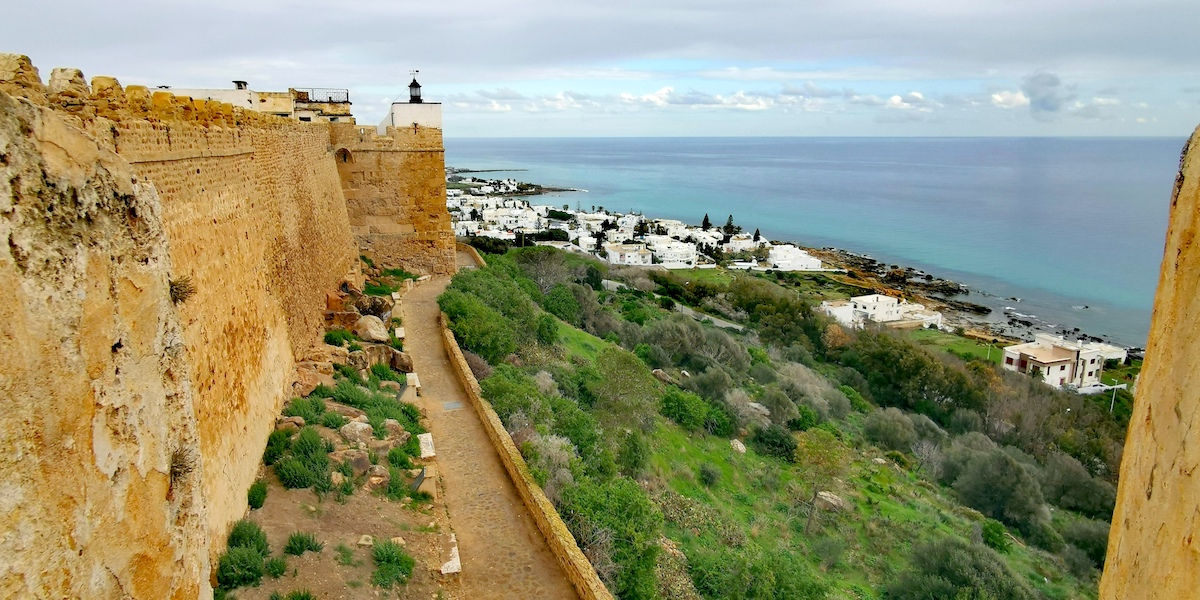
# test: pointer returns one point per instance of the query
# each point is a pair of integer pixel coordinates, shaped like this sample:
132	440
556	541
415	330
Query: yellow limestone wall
133	426
395	188
1154	544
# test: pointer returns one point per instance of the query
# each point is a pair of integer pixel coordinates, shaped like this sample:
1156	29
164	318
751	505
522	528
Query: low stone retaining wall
469	249
587	583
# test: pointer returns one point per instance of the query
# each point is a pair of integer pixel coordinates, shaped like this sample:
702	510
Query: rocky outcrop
1154	548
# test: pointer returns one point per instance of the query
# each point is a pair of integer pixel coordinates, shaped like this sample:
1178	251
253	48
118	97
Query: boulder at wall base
309	375
346	411
831	501
356	432
378	306
378	476
371	329
290	424
394	428
335	301
401	362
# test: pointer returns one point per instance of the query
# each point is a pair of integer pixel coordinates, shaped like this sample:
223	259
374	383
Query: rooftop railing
321	95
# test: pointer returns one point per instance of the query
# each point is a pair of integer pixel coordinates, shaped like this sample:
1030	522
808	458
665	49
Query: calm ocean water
1062	224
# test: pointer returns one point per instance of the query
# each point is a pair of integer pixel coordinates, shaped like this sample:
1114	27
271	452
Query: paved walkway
503	553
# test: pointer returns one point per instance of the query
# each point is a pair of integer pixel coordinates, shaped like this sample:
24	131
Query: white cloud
1007	99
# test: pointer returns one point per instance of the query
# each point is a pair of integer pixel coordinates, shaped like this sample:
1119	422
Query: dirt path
503	553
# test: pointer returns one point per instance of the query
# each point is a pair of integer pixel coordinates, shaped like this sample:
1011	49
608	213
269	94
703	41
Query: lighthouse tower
415	113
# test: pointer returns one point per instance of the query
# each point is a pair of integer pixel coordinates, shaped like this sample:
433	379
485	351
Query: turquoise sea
1074	227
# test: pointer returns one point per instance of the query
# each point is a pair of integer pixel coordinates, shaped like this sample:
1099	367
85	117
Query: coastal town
900	298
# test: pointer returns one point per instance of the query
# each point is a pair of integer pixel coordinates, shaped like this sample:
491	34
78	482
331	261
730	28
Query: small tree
706	224
729	228
821	459
757	235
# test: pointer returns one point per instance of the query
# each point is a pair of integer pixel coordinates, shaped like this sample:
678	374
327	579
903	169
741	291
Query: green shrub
308	443
709	475
685	408
1078	563
339	337
309	409
829	550
560	301
808	419
293	473
400	274
996	485
635	453
1089	536
333	420
345	555
477	326
385	373
277	444
398	457
247	534
275	567
397	486
1067	483
718	421
257	494
995	535
379	288
890	429
367	261
392	564
775	441
547	330
238	567
623	509
953	568
298	543
354	347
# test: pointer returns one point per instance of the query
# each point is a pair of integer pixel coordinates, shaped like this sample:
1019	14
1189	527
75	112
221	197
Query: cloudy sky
666	67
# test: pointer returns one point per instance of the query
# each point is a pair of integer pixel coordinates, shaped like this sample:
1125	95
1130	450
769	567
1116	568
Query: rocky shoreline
1002	325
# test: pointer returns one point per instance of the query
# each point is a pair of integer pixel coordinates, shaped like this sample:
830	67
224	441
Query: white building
740	243
786	257
511	218
415	113
629	254
672	253
877	308
1062	362
673	228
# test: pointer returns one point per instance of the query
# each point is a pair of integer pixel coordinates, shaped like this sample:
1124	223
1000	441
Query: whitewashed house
877	308
786	257
672	253
635	255
1062	362
740	242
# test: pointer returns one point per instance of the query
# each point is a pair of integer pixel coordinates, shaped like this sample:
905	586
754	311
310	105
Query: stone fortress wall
135	424
398	221
1154	544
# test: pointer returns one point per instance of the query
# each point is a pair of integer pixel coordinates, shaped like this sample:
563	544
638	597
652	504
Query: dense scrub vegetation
954	478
